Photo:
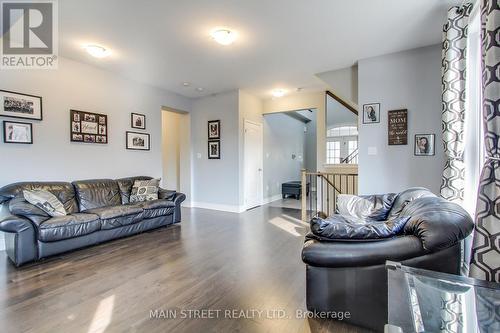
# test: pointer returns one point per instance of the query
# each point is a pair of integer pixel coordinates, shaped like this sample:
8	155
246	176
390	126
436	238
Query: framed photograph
138	121
397	124
138	141
371	113
17	105
213	129
16	132
88	127
425	145
214	149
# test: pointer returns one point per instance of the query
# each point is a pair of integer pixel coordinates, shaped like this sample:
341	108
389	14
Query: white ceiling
282	43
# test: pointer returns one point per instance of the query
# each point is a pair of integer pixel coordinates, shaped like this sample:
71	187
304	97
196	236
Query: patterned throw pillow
145	190
46	201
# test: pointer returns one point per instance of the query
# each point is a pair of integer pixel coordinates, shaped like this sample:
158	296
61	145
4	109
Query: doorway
176	151
253	174
290	141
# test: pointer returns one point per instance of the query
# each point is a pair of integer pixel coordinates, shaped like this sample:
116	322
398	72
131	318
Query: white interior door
253	164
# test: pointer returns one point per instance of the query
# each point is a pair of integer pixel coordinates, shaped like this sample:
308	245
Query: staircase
324	189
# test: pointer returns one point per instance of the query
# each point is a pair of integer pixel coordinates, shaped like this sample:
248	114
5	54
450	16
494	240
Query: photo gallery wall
85	127
397	129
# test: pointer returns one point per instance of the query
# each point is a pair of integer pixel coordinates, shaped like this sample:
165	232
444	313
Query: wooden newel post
303	195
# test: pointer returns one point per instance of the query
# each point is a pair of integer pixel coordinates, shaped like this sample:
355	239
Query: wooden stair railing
324	188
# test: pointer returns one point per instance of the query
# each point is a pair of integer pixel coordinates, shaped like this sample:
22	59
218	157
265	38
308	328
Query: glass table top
427	301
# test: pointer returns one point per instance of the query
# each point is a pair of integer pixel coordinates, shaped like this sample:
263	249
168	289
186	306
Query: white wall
310	162
78	86
343	82
283	137
406	80
215	183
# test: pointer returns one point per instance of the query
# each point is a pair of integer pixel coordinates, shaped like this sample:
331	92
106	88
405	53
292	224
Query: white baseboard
221	207
271	199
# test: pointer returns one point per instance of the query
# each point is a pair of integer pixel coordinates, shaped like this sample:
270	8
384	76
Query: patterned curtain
453	96
485	263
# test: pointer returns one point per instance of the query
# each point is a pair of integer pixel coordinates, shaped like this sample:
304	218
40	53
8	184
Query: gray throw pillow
46	201
374	207
145	190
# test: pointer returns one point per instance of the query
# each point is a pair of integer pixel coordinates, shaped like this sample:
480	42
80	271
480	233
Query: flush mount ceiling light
223	36
97	51
186	84
199	89
278	92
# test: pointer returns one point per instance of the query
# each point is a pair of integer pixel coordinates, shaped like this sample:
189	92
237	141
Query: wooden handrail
341	101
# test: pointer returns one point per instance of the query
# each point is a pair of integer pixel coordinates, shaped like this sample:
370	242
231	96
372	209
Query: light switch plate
198	155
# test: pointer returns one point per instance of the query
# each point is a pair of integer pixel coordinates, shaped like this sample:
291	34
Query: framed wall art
138	141
17	132
88	127
371	113
214	150
397	124
213	129
138	121
425	145
18	105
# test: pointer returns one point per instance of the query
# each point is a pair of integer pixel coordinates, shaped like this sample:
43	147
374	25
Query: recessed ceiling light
186	84
199	89
97	51
223	36
278	92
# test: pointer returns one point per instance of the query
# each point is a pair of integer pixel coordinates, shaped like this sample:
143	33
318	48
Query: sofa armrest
438	223
178	198
15	224
166	194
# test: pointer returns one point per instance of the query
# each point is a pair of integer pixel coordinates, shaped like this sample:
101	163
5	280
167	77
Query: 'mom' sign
398	127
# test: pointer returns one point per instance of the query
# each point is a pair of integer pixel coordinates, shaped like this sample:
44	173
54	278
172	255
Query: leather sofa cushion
118	216
350	227
360	253
157	208
125	186
69	226
97	193
62	190
20	207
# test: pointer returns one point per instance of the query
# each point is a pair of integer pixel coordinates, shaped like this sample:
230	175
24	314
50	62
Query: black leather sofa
350	275
98	210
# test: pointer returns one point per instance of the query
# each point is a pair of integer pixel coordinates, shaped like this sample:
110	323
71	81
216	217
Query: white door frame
261	166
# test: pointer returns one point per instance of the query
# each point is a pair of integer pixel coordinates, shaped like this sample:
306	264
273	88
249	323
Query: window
342	141
342	131
473	136
352	147
333	152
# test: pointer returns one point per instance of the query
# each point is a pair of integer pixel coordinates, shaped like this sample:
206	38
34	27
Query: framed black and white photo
18	105
371	113
214	149
138	141
138	121
213	129
88	127
17	132
425	145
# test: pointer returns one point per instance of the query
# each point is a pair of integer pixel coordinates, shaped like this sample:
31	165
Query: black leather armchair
98	210
350	275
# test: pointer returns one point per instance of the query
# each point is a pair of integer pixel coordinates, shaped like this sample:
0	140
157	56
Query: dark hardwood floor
212	260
